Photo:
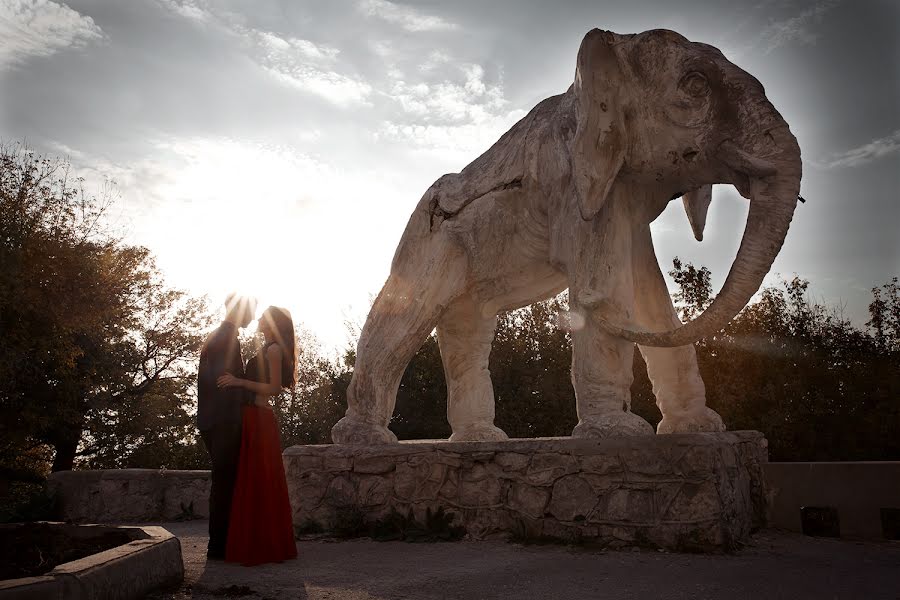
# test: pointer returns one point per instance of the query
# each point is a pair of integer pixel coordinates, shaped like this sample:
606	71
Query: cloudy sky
311	129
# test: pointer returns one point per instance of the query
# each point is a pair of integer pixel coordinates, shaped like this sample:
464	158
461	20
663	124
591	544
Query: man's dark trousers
219	422
223	443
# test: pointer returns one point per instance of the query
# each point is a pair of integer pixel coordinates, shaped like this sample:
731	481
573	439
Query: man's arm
212	361
259	389
234	365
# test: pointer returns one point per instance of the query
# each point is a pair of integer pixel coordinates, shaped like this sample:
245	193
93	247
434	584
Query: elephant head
669	117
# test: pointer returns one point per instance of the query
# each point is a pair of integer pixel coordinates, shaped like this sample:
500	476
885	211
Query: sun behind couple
249	511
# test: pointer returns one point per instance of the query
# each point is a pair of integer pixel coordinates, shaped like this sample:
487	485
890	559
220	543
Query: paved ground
776	565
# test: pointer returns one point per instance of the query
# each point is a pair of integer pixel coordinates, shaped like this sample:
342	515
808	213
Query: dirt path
777	565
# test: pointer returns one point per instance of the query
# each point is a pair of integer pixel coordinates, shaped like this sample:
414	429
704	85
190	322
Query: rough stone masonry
699	492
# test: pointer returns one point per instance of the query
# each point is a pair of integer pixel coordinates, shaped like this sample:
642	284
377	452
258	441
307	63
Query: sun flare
273	224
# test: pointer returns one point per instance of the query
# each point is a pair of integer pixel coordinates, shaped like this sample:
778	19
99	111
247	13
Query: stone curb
122	573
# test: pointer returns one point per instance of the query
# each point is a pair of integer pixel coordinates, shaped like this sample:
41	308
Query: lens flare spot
570	320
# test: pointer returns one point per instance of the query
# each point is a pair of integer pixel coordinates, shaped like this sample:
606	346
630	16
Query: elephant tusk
743	162
696	204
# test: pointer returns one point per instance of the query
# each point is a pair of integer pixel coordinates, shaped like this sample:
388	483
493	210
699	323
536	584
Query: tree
307	412
143	417
885	316
530	366
421	409
694	292
818	387
97	352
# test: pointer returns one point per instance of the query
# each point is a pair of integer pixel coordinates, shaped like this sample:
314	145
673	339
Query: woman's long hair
283	329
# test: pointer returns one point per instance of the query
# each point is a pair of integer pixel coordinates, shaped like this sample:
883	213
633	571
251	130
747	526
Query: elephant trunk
773	198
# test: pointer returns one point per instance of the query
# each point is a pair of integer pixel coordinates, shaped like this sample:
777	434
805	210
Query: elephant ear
599	147
696	205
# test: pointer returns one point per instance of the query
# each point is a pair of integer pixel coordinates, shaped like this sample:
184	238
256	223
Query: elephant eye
694	84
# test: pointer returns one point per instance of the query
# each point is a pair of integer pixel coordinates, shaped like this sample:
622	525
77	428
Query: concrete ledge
681	492
131	495
858	490
122	573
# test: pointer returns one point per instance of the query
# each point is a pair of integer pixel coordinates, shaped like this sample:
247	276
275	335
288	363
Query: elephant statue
565	199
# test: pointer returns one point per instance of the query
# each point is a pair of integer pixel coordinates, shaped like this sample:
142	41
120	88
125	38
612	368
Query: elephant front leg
680	393
602	375
465	337
601	282
679	390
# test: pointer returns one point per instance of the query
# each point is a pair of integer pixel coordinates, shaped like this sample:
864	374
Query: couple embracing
249	511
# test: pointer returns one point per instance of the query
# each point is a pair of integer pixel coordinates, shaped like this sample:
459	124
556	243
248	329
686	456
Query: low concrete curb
124	572
858	491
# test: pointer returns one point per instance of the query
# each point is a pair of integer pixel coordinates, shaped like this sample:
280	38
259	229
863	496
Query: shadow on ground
775	565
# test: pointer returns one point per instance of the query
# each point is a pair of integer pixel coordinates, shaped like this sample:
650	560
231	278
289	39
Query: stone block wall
529	479
131	495
681	492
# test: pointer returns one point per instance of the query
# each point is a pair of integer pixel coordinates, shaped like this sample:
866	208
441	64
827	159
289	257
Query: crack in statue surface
437	210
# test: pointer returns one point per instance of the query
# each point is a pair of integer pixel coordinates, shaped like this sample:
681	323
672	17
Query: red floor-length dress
261	529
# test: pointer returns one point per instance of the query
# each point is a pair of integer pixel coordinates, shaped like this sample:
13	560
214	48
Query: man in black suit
219	414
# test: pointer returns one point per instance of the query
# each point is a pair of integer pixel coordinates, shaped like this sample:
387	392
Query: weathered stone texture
564	199
131	495
152	560
702	491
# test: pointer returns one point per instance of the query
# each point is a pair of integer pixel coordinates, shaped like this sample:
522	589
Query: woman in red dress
261	529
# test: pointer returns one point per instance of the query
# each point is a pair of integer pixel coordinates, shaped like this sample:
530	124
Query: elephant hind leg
465	337
404	313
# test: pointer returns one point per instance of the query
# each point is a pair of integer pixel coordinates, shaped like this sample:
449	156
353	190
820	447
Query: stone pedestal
694	492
